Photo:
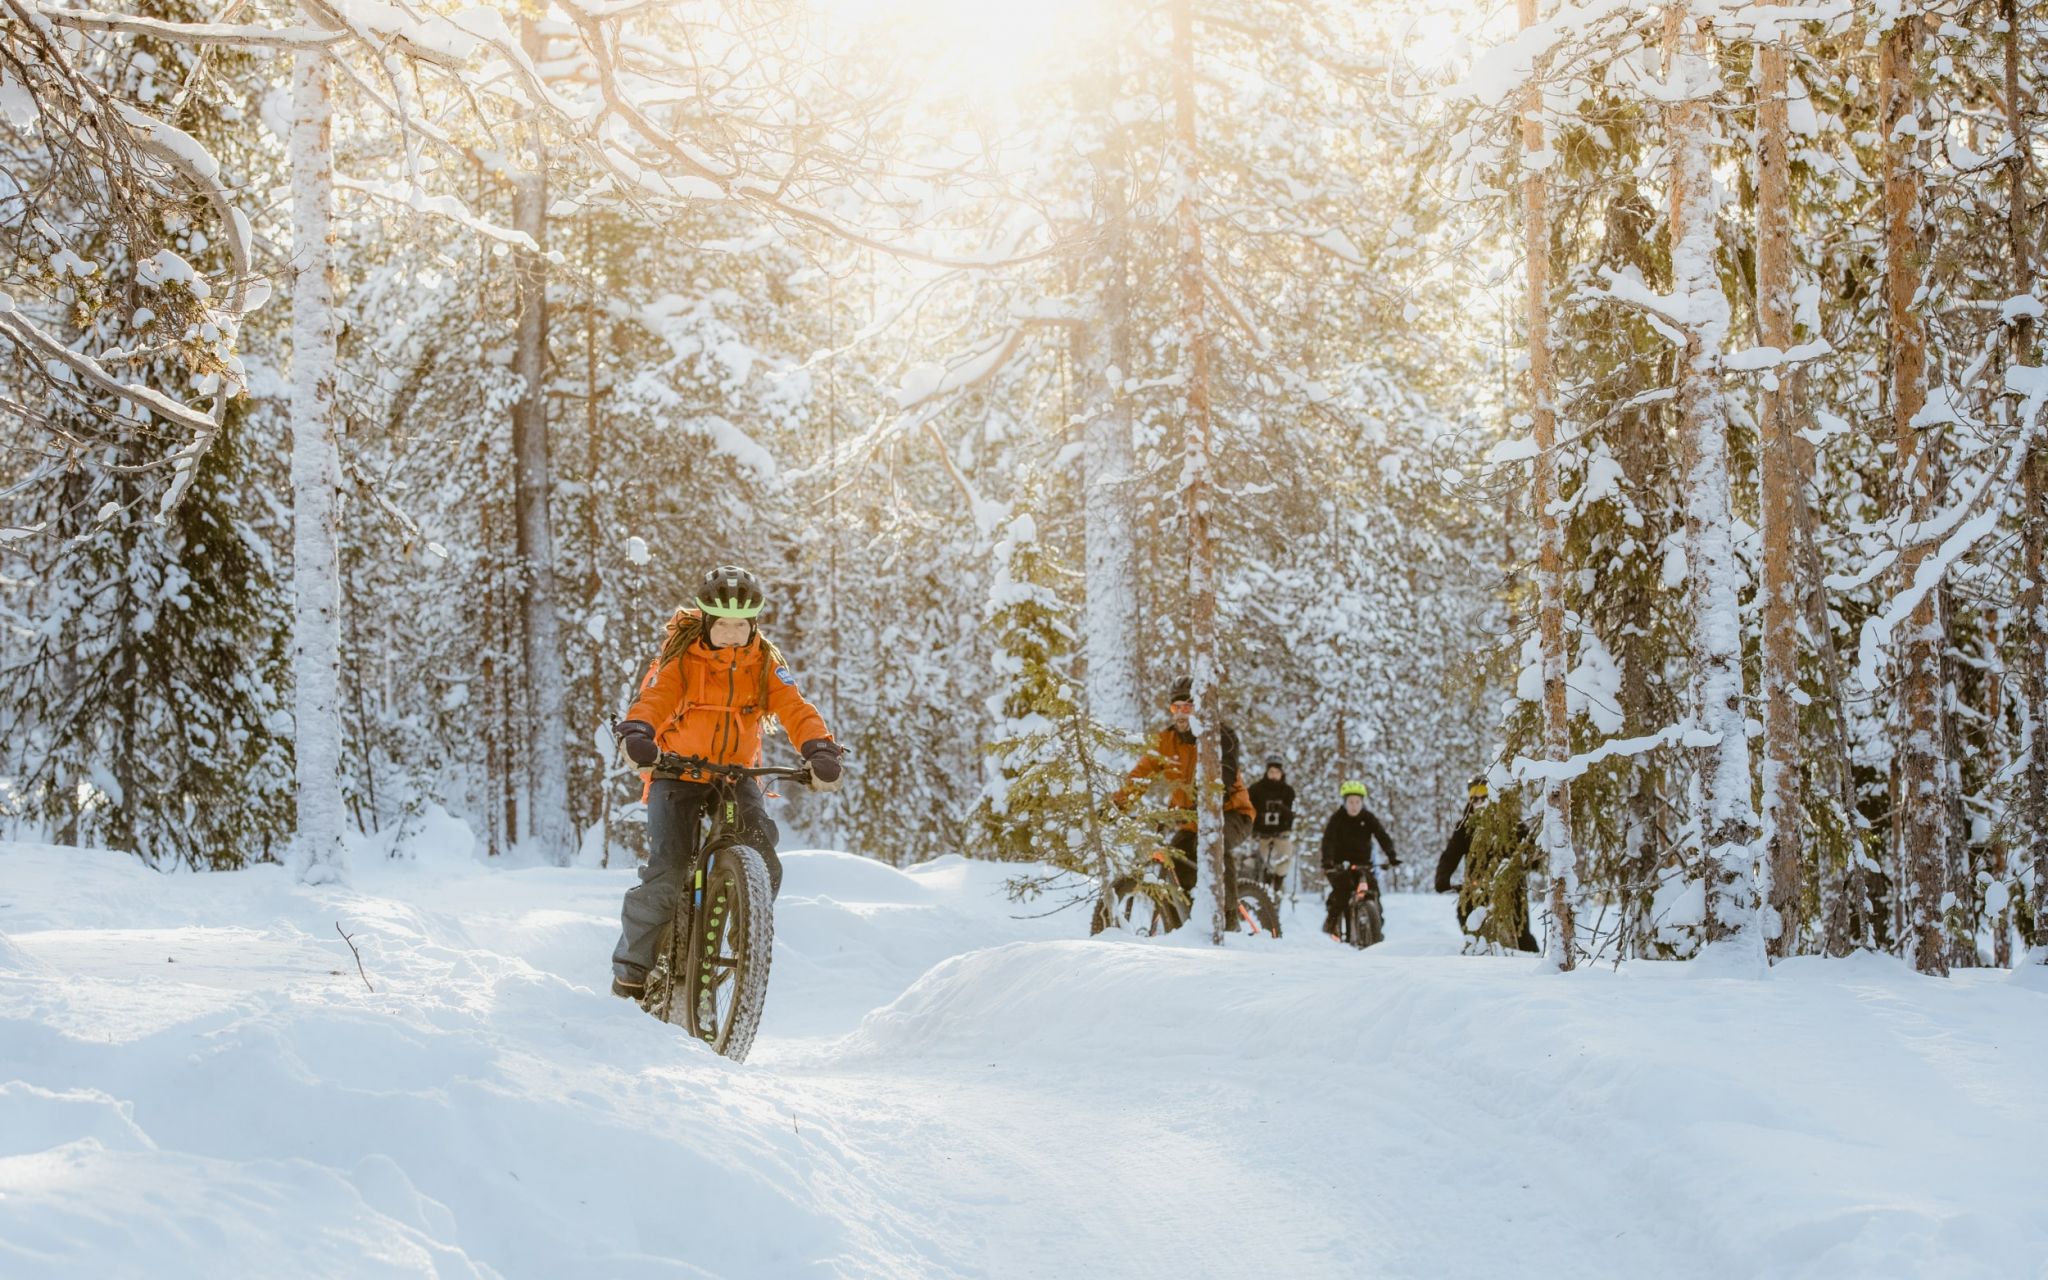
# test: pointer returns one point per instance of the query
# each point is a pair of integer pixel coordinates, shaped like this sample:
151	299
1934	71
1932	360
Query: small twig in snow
358	955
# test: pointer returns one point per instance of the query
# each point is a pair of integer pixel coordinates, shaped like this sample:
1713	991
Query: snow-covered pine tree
1922	818
1051	766
1781	452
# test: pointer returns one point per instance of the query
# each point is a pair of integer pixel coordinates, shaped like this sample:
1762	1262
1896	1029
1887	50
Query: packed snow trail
194	1081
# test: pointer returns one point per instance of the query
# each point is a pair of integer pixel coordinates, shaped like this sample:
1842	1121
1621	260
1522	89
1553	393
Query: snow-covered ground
194	1081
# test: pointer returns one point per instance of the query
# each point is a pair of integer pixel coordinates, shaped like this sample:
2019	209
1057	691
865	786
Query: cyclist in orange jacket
704	697
1172	758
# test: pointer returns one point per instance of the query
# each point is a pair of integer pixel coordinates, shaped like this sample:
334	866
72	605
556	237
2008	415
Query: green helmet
1351	787
731	592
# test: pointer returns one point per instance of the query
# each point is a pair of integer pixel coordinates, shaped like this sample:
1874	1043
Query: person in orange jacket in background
1172	758
704	697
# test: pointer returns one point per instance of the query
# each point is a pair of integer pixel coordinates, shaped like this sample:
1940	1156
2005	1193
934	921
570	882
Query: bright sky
979	46
988	48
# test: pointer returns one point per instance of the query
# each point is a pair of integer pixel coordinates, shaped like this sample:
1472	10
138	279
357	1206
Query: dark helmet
1183	690
731	592
1275	762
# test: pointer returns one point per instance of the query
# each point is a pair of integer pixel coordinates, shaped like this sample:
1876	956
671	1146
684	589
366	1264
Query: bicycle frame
712	969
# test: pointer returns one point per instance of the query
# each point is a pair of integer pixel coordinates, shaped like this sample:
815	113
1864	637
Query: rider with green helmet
1347	850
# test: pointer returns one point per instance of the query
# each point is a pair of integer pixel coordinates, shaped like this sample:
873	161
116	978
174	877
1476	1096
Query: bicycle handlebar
698	766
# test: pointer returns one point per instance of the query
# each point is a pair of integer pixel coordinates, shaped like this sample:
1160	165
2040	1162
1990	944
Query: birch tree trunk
547	821
318	855
1560	857
1111	540
1779	888
1198	481
1727	820
1921	823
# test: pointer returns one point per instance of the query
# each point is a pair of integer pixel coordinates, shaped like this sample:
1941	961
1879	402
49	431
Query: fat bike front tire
730	943
1256	907
1368	925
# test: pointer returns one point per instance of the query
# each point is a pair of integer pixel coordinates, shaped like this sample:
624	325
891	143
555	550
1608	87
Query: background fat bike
1361	924
1163	907
710	973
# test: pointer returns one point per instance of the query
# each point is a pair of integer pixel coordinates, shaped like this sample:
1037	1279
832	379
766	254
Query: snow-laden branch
231	35
1684	733
24	333
2032	382
2029	381
1600	33
446	207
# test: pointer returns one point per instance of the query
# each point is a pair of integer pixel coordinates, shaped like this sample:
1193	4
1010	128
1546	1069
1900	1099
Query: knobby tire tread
750	989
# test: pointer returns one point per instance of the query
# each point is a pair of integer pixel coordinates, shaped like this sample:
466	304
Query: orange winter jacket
709	702
1173	757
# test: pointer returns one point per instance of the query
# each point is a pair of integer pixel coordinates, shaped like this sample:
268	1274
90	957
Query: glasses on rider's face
1182	708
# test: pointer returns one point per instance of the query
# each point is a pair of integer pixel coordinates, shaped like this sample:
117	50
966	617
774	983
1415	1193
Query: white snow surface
195	1082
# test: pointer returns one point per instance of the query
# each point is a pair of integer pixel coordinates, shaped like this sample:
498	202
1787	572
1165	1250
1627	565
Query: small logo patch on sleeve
782	674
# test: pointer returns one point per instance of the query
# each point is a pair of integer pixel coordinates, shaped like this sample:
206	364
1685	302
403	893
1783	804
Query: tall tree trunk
1780	886
1727	820
1561	859
490	711
593	538
2034	610
1197	477
1104	362
1921	806
548	823
2032	622
318	854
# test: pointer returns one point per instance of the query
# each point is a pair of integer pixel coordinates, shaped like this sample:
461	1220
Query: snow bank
194	1080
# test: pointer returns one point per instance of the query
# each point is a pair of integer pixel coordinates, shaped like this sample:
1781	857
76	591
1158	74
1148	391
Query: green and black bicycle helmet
1352	787
731	592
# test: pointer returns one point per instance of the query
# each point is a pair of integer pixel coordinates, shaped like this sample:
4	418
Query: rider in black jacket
1273	824
1347	850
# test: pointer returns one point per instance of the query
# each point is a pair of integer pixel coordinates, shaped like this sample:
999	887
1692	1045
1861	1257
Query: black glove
637	737
822	754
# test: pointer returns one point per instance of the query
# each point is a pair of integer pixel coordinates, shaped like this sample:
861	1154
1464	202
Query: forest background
1640	405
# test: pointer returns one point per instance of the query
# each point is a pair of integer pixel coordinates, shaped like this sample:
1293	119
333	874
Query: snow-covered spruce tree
144	703
141	674
1051	766
1494	895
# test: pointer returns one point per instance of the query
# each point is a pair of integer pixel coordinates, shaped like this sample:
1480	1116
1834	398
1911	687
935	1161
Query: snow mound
823	873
